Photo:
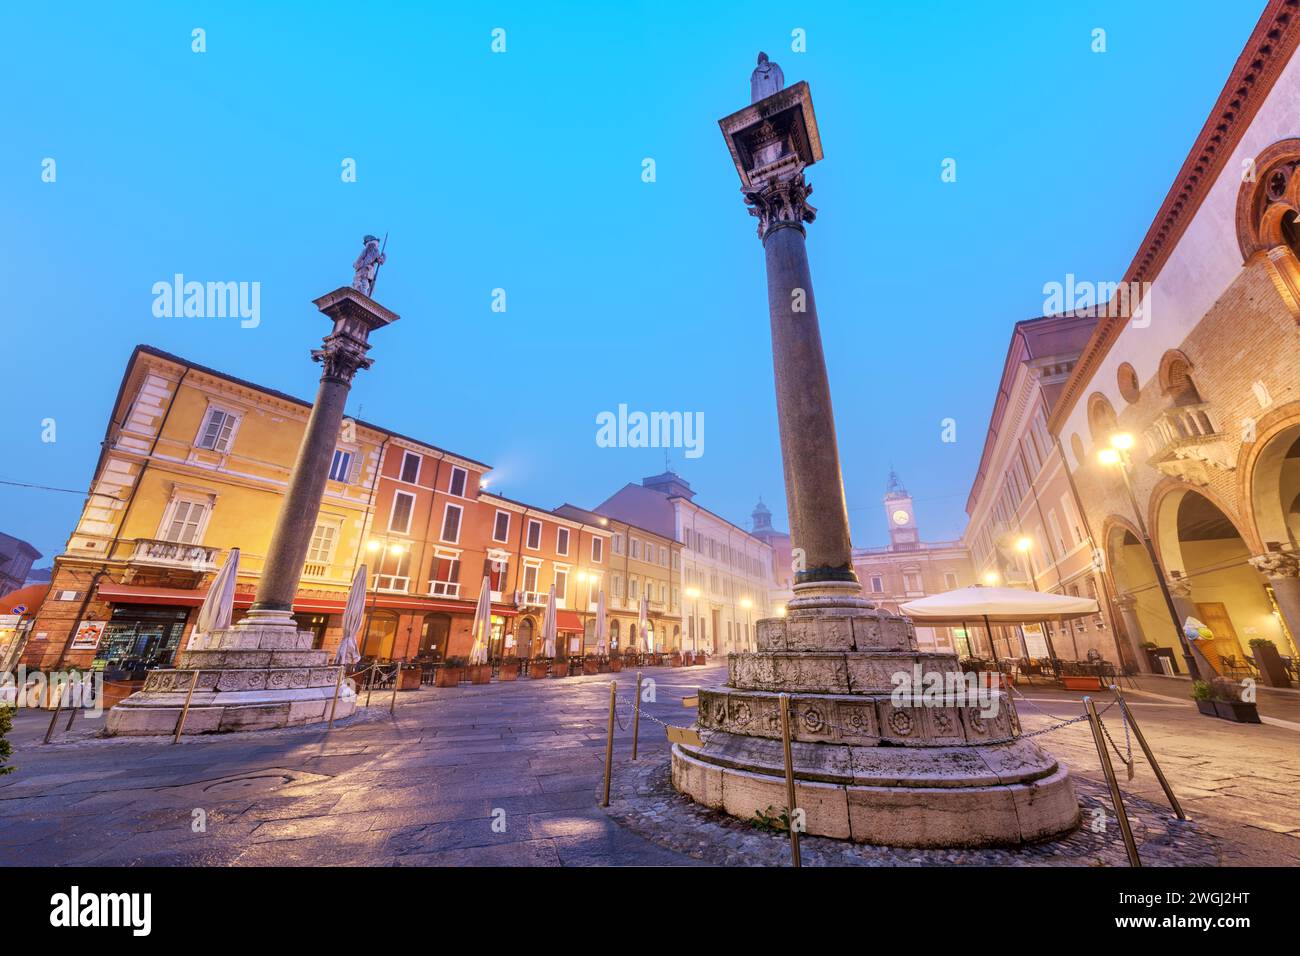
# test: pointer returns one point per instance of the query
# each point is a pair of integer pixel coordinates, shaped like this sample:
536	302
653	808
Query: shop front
136	638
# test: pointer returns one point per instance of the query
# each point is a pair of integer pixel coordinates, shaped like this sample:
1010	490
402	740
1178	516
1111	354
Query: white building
727	581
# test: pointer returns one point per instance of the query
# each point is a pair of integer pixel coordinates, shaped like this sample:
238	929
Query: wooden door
1215	616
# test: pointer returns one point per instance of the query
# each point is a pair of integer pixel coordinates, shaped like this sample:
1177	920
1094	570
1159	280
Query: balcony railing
1183	442
173	554
315	569
449	589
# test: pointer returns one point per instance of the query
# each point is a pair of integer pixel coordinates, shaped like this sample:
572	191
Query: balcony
316	570
1184	443
449	589
173	554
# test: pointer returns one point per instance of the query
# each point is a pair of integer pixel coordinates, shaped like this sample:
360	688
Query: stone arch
1162	518
1270	479
1268	218
1175	378
1101	418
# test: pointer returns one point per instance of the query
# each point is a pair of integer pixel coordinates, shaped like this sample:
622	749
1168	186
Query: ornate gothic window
1268	205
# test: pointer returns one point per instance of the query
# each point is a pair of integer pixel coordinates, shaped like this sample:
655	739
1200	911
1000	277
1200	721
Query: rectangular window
446	575
561	583
400	518
534	540
912	582
636	549
663	557
411	467
451	524
186	520
393	573
597	550
618	586
456	485
677	560
562	541
496	573
501	527
618	544
949	581
216	431
530	578
322	544
341	466
633	589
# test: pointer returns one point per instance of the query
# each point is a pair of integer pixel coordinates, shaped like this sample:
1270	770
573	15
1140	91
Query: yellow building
193	462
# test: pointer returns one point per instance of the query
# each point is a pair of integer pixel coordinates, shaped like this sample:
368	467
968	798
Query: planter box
448	677
560	669
700	660
1207	708
1270	666
537	670
590	665
1081	683
678	661
1237	711
408	678
508	672
615	665
480	674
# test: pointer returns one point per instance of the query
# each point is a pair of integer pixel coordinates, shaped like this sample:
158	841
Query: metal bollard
1151	759
185	711
58	706
636	716
1130	846
338	685
789	779
397	677
609	742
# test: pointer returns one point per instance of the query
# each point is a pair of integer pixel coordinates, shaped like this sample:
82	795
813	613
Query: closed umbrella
353	611
601	627
482	625
549	626
214	614
643	627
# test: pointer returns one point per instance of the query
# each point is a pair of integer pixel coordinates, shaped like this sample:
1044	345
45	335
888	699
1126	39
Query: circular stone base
644	801
913	816
151	713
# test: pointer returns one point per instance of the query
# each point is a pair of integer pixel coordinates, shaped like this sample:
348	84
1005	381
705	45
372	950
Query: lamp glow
1122	441
1024	543
1108	456
990	577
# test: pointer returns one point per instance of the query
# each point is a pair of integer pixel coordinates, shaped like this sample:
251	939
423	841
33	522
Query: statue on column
367	266
766	79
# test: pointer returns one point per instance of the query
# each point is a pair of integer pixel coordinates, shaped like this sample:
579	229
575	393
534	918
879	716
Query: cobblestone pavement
428	786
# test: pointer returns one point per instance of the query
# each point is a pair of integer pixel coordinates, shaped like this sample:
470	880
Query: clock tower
899	515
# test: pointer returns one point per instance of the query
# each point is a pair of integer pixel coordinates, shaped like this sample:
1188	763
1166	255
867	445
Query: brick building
1201	371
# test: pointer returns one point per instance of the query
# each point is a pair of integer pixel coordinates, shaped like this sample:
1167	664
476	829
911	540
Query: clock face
901	517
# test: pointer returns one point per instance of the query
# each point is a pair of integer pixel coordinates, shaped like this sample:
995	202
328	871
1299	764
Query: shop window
140	637
317	624
380	635
434	633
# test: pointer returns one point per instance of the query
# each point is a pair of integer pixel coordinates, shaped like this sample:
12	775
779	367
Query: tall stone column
1127	605
342	354
1282	568
263	672
870	765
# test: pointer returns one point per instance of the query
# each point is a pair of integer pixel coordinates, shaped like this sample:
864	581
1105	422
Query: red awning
193	597
568	621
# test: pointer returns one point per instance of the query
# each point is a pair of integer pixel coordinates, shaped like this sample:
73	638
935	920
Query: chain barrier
1125	758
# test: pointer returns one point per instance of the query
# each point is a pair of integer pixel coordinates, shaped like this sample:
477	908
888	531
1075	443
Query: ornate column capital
1278	564
781	202
1180	587
342	356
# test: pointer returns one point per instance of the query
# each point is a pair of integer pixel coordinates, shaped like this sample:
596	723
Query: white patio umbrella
997	606
482	625
215	612
353	611
601	627
549	624
644	628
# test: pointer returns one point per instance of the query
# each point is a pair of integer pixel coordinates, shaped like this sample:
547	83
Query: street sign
684	735
693	701
20	609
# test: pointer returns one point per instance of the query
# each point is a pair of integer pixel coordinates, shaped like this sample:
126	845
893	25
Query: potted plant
678	660
1269	662
560	667
508	669
591	664
538	666
1204	697
480	673
1228	703
451	673
616	662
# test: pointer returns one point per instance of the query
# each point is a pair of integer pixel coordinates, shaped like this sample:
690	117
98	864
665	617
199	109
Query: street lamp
694	594
991	578
1025	545
1117	455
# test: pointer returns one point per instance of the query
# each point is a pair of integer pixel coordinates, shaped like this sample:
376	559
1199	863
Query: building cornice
1261	62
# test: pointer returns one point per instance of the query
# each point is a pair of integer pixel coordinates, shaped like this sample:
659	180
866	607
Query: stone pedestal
261	673
870	765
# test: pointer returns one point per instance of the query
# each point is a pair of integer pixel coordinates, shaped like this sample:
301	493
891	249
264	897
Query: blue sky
522	171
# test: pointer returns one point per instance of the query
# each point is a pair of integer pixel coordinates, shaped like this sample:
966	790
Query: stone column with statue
871	764
263	672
